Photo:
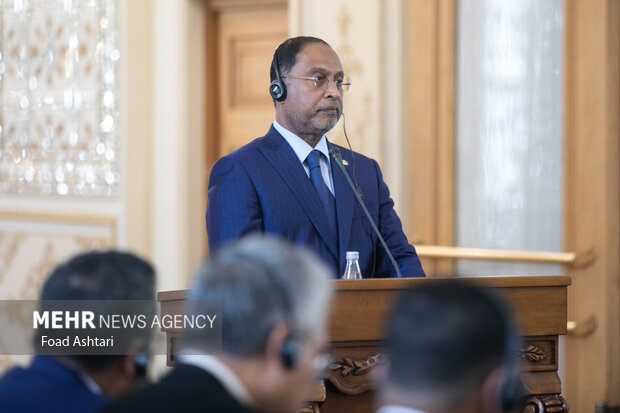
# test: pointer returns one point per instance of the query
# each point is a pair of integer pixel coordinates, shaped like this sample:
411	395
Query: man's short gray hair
262	281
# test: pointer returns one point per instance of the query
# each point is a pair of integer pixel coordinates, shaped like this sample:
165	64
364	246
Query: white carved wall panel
31	245
60	138
59	98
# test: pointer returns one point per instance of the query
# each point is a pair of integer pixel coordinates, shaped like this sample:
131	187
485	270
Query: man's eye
319	79
338	82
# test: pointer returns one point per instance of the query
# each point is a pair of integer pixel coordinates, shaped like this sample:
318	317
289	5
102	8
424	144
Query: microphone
337	157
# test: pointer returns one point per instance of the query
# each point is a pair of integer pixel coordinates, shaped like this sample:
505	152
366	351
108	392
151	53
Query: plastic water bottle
352	270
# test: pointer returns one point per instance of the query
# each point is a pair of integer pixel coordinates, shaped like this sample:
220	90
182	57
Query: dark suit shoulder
185	389
271	141
348	155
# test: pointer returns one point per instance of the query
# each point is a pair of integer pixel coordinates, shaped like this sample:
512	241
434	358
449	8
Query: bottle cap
353	255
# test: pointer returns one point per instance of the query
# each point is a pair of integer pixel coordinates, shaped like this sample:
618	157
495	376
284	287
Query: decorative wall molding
31	244
357	35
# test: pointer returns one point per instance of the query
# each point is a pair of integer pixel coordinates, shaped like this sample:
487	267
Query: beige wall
179	192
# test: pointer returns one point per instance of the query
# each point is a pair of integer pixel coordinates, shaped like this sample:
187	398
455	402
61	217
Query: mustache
330	107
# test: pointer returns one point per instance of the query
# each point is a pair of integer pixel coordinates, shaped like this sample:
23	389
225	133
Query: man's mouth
329	111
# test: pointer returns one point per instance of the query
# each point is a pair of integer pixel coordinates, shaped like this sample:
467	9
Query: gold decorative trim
7	254
12	241
442	251
72	219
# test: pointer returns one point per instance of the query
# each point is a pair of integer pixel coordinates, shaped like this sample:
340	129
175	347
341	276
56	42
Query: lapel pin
345	163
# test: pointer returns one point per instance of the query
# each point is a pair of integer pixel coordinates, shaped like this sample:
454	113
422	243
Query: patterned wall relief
360	103
31	245
59	97
355	30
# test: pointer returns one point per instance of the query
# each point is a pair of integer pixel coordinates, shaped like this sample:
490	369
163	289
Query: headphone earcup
277	90
289	353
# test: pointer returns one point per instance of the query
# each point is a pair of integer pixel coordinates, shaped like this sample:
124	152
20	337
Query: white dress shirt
398	409
90	383
221	372
302	150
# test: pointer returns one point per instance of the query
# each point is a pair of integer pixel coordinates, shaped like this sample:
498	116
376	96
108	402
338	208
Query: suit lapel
345	200
283	159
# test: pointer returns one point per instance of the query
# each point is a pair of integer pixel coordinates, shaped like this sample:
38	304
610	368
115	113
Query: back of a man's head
274	301
100	275
445	341
261	282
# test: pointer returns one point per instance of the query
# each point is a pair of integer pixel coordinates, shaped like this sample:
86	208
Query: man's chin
327	124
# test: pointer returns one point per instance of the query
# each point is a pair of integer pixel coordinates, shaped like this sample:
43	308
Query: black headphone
289	352
141	364
277	88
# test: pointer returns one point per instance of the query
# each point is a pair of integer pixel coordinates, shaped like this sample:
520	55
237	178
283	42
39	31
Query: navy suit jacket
47	386
262	187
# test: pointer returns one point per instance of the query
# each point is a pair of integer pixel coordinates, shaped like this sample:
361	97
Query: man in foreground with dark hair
82	383
274	302
292	181
451	347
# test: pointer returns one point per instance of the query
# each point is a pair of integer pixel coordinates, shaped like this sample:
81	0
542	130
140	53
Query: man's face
297	383
308	110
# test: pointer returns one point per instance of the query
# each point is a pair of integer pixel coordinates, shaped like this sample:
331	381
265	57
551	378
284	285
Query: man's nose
332	90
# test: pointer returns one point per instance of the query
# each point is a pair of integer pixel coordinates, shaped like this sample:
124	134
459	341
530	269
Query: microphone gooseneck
337	157
358	188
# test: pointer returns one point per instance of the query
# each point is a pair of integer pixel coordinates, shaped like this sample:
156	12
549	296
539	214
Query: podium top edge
495	282
396	284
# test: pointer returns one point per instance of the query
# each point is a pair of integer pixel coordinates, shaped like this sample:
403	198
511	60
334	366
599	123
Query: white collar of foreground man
221	372
398	409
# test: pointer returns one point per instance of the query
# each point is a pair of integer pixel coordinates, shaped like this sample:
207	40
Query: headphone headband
277	88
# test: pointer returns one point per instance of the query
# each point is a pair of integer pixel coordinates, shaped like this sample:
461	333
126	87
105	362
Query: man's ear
127	364
275	341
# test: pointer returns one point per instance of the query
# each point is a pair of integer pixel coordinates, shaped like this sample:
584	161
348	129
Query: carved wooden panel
250	56
540	354
349	372
246	41
547	403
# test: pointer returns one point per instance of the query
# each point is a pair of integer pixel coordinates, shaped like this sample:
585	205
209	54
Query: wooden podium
356	336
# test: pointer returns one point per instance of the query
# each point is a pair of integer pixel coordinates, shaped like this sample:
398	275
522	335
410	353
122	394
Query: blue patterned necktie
326	197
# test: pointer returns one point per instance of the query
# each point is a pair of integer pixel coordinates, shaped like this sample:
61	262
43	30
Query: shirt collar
392	408
90	384
221	372
301	147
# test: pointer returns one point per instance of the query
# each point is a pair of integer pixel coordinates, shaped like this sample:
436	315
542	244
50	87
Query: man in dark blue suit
285	182
73	383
